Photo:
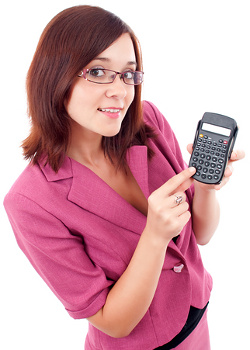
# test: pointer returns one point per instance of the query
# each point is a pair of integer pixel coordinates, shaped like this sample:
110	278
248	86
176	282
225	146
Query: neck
85	146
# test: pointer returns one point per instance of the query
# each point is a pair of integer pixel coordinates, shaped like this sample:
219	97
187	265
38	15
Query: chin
111	133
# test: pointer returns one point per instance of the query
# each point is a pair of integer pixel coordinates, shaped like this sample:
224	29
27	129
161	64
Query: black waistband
193	319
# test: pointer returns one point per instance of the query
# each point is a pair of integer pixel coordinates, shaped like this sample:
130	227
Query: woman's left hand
235	156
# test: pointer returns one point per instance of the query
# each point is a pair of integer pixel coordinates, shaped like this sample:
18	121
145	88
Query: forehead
120	52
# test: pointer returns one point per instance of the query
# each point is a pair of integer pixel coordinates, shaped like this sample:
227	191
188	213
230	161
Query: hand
235	156
166	218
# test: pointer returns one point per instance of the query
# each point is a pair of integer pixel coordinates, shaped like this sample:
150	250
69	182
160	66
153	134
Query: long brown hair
71	40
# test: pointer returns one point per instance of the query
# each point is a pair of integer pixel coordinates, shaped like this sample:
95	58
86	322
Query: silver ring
178	200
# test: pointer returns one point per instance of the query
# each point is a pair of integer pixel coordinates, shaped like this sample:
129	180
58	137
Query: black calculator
213	144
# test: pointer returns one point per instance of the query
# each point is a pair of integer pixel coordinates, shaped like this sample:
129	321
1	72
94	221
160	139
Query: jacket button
178	268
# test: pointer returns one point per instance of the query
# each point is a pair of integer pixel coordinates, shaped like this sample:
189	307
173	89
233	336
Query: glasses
107	76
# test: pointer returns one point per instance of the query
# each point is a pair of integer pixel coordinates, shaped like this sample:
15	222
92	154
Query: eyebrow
106	59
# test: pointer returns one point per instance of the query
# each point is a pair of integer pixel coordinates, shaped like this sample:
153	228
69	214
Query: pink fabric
80	235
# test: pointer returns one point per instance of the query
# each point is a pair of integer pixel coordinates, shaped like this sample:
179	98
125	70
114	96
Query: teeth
109	110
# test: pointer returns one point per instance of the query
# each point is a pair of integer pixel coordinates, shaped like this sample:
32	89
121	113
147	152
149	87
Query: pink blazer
80	235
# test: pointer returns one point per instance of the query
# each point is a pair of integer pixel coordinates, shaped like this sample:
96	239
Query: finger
185	185
237	155
183	220
174	197
180	209
222	184
228	171
190	148
183	178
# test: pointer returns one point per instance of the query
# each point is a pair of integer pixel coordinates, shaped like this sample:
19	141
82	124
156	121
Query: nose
117	89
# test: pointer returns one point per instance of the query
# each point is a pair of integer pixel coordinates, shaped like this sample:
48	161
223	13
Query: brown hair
71	40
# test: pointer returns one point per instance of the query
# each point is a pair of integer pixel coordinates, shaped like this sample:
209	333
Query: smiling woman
73	40
114	226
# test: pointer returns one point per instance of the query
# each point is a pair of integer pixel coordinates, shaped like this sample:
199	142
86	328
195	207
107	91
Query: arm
205	214
206	209
131	296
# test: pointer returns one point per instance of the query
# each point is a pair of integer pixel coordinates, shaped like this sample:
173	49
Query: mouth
110	110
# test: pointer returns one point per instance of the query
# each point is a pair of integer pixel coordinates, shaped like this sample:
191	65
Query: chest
126	186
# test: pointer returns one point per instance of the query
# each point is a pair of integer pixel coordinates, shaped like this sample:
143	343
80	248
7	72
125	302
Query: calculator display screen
216	129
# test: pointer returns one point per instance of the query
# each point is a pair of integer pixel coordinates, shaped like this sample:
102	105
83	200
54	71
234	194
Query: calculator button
196	153
220	141
195	159
194	165
219	166
199	167
215	143
197	173
205	170
213	165
199	139
214	159
205	136
221	161
208	157
216	177
209	177
202	155
225	142
201	161
211	171
203	176
217	172
207	163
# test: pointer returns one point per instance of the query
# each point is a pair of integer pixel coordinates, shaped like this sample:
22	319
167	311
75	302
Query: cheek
130	95
76	102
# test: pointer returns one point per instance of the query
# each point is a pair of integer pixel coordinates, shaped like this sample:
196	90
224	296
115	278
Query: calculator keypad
209	158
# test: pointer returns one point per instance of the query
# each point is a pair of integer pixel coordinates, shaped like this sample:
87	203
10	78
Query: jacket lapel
93	194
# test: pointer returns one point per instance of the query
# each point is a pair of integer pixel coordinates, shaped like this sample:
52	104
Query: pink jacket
80	235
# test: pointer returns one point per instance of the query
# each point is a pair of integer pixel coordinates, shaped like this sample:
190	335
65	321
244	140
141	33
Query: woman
107	212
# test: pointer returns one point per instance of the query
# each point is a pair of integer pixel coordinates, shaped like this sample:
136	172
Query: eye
129	75
97	72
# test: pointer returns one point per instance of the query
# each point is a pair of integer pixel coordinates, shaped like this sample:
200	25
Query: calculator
213	144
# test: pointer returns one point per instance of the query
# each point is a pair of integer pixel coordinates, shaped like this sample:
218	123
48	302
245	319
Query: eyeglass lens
105	76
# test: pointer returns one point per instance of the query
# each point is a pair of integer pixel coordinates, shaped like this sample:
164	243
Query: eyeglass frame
86	70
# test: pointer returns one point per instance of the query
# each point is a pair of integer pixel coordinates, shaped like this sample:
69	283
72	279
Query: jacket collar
65	171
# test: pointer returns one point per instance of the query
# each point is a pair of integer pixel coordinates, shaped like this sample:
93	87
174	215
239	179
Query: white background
196	59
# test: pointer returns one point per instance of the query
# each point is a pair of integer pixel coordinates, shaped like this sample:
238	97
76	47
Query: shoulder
37	183
30	177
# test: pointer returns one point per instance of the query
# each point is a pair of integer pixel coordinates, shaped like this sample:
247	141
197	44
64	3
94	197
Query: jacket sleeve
58	256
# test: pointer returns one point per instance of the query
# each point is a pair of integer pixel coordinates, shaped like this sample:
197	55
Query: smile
109	110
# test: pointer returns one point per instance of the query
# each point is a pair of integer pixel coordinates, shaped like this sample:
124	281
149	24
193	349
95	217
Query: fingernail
192	169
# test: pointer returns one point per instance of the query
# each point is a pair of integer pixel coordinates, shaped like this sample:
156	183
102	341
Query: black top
193	319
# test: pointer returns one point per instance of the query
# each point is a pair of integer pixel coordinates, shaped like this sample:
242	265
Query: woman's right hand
166	218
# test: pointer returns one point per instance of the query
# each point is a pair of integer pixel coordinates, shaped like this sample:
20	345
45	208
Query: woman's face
101	108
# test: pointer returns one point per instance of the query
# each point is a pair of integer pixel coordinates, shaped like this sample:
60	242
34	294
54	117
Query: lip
111	112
